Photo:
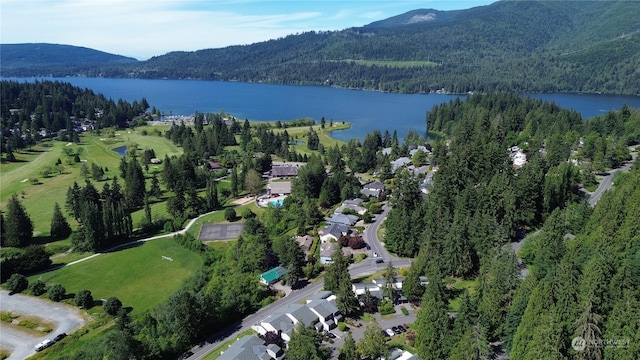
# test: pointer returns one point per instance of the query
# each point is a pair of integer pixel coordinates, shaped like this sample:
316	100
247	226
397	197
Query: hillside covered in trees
519	46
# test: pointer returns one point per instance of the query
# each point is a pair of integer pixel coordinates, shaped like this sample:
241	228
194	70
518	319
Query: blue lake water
122	150
365	110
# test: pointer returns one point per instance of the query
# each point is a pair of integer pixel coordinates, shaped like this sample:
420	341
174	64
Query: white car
44	344
375	254
390	332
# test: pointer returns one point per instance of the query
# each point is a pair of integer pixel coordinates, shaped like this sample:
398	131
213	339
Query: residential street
607	181
368	266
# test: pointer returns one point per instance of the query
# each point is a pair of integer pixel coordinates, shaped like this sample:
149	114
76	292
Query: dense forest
581	278
580	281
517	46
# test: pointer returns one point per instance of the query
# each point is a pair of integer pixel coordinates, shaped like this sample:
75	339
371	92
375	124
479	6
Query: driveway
66	318
385	323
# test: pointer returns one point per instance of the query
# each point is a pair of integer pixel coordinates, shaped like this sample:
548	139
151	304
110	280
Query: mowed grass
138	276
39	199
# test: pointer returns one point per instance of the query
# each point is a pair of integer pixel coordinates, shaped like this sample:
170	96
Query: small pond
122	150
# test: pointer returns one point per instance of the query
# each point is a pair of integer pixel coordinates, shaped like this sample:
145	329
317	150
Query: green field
39	199
138	276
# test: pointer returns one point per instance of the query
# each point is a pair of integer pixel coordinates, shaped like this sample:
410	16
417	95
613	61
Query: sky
145	28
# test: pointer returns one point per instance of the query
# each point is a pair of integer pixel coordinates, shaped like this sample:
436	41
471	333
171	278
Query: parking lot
67	319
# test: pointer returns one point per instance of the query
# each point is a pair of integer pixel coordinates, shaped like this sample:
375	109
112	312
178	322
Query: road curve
66	318
607	181
366	267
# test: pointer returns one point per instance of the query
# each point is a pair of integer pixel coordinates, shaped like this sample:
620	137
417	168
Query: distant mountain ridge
15	55
518	46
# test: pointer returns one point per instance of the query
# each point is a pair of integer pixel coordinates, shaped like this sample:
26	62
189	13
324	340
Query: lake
365	110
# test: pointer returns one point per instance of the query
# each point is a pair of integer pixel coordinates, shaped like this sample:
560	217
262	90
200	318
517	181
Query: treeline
532	46
58	108
479	203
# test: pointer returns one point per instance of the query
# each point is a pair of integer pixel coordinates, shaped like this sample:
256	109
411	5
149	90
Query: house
284	171
333	231
279	323
353	205
424	149
327	313
299	313
373	189
326	252
279	188
400	162
214	165
251	347
305	242
342	219
272	276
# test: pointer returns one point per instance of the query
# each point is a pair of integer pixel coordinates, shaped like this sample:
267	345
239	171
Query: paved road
66	318
607	181
368	266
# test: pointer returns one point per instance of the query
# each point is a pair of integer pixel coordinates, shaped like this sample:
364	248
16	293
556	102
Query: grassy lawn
138	276
460	285
39	199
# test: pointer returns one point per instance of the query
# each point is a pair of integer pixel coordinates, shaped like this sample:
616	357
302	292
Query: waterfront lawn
138	276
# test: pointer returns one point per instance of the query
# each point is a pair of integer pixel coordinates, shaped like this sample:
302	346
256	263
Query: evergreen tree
155	189
18	228
349	350
432	323
373	343
234	182
346	300
60	228
134	184
305	344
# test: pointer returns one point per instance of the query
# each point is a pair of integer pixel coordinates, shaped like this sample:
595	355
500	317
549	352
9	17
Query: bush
112	306
386	307
342	326
230	214
57	292
84	299
404	310
38	288
17	283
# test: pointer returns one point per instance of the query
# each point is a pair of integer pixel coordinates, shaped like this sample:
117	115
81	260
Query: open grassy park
140	276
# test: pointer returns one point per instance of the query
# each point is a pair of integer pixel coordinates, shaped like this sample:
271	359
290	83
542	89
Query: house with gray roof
342	219
251	347
373	189
327	313
400	162
305	242
301	314
333	231
327	249
278	322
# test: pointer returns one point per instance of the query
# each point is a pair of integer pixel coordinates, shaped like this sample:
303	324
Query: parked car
401	328
379	261
375	254
396	330
367	246
59	337
44	344
331	335
186	355
390	332
385	333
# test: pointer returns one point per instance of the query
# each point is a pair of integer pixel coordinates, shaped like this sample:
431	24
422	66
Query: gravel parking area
66	318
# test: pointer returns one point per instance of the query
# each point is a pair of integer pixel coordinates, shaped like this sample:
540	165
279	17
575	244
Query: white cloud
146	28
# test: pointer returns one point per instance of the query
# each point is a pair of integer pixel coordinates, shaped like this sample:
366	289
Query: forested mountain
19	58
522	46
